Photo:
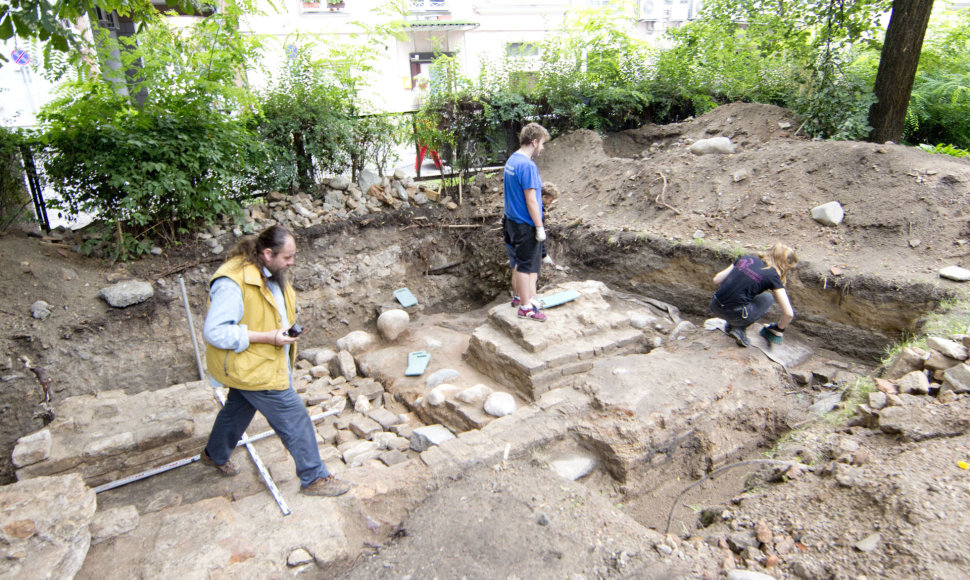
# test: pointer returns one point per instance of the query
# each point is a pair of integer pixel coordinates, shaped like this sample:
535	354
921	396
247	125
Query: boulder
714	145
127	293
500	404
357	342
392	323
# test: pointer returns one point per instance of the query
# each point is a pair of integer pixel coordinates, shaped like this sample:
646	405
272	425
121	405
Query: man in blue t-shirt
522	224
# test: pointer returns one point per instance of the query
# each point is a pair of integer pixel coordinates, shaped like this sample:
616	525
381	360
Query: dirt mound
907	213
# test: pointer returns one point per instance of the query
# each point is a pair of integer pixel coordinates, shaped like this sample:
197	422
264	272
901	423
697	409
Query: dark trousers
287	415
743	316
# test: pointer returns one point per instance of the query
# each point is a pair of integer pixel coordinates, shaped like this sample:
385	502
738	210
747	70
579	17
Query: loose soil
907	214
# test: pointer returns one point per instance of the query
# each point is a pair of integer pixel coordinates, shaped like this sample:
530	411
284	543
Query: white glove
540	234
548	260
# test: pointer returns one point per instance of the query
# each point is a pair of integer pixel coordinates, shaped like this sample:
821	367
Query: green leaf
6	28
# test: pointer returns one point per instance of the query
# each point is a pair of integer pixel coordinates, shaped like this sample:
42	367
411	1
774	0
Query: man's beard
278	276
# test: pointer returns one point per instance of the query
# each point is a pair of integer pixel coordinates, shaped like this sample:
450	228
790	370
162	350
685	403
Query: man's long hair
251	249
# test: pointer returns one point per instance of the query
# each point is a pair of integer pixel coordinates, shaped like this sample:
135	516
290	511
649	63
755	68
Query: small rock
40	310
298	557
439	394
877	400
441	376
747	575
828	214
542	520
869	543
914	242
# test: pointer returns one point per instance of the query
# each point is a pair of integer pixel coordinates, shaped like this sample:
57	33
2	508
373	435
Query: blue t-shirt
521	174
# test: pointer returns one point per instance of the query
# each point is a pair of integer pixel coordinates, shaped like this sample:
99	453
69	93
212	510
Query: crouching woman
748	288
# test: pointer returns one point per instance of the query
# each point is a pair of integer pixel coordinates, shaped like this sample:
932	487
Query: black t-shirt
750	277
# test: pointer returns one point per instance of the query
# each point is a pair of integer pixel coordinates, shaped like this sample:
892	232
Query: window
429	5
522	49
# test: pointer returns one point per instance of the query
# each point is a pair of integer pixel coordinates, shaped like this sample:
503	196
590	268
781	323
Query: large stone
906	361
357	342
32	448
359	452
946	347
317	356
385	418
573	467
127	293
364	427
392	323
913	421
500	404
341	182
828	214
914	383
424	437
113	522
474	395
45	526
367	179
956	379
343	365
714	145
229	536
111	435
955	273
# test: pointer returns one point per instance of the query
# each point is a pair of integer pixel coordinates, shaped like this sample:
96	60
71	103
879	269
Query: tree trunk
897	68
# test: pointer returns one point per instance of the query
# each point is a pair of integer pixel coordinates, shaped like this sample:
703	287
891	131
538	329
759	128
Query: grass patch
856	394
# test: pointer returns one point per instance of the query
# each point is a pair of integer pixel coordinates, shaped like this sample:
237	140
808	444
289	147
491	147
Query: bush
156	170
13	191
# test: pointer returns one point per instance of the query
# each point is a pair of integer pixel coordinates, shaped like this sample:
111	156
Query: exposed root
794	469
659	199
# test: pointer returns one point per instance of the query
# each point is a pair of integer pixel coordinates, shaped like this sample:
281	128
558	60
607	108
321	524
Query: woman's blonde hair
780	257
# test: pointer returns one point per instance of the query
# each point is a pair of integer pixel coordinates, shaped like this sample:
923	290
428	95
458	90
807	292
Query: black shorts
525	253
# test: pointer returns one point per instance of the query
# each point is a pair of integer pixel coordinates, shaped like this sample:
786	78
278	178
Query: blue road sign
20	56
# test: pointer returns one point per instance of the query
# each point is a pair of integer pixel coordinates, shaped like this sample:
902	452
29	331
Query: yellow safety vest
262	366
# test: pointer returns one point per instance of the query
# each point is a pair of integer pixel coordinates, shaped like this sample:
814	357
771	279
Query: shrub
13	192
153	170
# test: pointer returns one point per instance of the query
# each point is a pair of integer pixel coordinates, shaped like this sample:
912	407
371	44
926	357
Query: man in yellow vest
248	350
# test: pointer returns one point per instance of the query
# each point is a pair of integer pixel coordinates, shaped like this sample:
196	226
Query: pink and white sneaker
532	314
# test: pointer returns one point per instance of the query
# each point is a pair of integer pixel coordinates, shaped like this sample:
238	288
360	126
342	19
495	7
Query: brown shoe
329	486
227	469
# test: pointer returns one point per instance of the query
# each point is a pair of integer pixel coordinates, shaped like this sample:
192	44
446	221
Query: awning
435	25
